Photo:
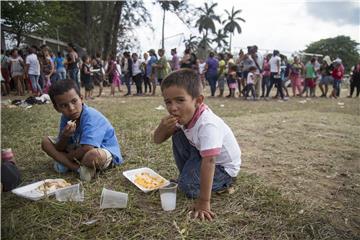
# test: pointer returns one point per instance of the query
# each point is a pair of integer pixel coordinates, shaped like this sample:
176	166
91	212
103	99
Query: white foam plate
32	192
130	174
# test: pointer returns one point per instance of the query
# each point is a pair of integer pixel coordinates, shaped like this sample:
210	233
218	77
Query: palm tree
191	43
220	39
174	6
206	21
231	23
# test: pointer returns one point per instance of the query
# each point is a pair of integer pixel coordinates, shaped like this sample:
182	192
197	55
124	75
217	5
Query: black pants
277	82
249	87
138	82
355	84
147	83
160	81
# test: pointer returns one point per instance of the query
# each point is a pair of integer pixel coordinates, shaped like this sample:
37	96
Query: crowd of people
250	76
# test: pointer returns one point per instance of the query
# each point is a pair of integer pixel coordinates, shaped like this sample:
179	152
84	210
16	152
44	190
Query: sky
288	26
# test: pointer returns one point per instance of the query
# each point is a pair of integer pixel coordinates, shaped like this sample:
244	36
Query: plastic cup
113	199
73	193
168	197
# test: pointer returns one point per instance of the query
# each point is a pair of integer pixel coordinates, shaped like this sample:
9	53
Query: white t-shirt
202	67
274	61
34	65
250	78
118	68
213	138
136	67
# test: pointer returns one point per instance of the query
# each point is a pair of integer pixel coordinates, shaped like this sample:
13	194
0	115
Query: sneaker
86	173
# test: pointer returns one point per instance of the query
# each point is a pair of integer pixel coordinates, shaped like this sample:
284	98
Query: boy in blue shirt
86	140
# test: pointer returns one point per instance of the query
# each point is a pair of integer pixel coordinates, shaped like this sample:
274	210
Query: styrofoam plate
32	192
130	174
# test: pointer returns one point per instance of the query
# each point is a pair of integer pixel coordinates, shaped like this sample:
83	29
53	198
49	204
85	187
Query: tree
20	19
231	23
191	43
220	39
206	22
340	46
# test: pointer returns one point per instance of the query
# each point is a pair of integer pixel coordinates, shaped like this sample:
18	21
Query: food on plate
149	181
50	185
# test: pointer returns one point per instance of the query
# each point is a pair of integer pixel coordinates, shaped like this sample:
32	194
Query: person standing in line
161	66
295	73
17	71
152	71
146	74
136	74
355	80
5	71
258	62
337	74
73	64
86	77
275	77
211	69
32	69
266	76
240	66
202	71
175	64
97	65
128	72
326	78
60	67
310	75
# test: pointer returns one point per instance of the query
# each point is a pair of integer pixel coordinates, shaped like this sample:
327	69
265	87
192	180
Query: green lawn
299	179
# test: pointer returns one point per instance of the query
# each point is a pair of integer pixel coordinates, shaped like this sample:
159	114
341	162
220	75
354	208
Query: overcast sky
285	25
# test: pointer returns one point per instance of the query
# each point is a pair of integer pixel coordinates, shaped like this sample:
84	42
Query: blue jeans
127	81
73	74
188	161
35	83
212	82
62	73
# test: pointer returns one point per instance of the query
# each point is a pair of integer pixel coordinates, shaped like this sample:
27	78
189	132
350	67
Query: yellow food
51	185
148	181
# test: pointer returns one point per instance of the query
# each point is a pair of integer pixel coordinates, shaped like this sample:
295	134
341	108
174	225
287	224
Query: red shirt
338	73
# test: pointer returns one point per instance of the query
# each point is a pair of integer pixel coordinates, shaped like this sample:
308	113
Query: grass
299	178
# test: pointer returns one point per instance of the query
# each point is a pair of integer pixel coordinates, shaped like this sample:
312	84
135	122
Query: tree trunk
87	21
115	30
108	28
230	42
163	29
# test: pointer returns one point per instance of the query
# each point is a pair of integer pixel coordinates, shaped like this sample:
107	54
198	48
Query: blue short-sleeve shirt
95	130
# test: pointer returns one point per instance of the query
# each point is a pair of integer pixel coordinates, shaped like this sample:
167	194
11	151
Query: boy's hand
201	209
69	129
165	129
168	123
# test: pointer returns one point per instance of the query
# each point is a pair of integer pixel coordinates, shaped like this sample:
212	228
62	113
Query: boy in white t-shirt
205	149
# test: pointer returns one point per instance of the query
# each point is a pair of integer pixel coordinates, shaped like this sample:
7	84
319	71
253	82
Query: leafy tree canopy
340	46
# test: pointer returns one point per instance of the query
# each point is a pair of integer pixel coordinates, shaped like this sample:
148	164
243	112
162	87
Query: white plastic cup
113	199
168	197
73	193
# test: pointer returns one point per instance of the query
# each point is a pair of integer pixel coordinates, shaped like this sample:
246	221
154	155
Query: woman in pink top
296	71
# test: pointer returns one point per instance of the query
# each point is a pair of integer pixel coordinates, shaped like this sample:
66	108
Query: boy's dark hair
61	87
184	78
